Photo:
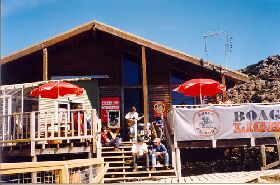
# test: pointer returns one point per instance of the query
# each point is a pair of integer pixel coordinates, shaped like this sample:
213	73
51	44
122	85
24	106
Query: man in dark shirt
109	142
159	151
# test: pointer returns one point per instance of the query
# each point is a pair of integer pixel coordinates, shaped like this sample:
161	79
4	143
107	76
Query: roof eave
124	35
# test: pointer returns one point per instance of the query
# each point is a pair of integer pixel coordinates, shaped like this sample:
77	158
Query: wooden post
98	141
214	143
102	180
45	64
278	147
32	149
64	175
94	130
253	143
224	83
90	167
145	87
3	116
263	155
178	161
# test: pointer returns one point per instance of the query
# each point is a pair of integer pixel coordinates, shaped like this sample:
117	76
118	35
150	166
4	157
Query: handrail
225	105
62	167
28	165
170	144
57	111
49	126
100	177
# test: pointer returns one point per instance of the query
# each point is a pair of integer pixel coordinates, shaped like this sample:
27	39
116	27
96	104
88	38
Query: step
116	157
123	167
117	152
115	162
131	142
127	167
137	178
120	147
141	172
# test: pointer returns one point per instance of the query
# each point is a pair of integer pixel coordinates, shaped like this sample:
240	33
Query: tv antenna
228	43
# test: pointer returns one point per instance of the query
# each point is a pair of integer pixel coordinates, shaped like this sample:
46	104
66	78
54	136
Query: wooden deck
232	177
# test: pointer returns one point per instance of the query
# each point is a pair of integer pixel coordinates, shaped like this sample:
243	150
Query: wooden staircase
121	169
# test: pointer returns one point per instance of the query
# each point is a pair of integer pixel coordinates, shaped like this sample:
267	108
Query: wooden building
140	71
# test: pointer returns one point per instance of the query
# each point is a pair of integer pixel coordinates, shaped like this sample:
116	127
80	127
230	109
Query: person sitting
140	151
159	151
109	142
131	119
114	133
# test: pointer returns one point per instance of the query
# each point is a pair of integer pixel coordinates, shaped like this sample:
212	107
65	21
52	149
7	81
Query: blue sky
179	24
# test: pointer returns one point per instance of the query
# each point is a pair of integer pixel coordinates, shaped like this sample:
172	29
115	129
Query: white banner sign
225	122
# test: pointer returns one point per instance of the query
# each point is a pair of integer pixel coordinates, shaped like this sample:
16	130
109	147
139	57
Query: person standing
218	100
131	119
140	151
159	151
79	117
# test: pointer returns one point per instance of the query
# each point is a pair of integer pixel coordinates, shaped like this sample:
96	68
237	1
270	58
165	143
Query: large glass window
181	99
177	79
133	97
132	70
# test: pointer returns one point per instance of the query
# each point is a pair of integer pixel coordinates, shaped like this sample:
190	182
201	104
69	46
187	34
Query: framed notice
109	103
114	119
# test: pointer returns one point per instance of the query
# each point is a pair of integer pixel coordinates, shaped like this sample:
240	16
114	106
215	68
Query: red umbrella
201	87
53	90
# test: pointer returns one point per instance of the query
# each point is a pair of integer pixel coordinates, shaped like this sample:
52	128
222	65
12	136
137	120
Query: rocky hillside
264	86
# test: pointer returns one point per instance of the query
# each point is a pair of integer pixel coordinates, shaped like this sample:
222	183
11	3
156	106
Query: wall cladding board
158	93
23	70
87	57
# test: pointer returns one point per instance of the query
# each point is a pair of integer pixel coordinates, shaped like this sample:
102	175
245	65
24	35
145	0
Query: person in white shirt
140	151
131	119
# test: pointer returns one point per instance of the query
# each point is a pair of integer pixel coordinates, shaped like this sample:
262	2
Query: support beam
4	113
178	162
263	155
145	86
45	64
224	83
34	174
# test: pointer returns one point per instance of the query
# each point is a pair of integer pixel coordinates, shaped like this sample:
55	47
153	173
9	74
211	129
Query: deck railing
53	172
47	127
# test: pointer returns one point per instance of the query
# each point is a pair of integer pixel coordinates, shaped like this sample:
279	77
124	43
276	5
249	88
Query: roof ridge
122	34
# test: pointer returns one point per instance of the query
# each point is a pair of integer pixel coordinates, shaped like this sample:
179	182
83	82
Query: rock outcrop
264	85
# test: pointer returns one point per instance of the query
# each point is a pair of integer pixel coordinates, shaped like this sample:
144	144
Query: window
133	97
177	79
132	70
181	99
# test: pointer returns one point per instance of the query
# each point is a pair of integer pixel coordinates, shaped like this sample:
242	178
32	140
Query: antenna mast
228	44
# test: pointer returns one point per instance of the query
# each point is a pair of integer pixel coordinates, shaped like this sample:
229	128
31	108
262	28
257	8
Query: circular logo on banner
206	122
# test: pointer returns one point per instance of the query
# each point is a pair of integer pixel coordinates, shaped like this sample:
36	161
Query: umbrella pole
58	90
200	93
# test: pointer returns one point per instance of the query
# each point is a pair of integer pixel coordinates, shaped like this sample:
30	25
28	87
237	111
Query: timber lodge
137	71
117	70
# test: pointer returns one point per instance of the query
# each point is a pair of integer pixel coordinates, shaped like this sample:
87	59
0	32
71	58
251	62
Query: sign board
226	122
109	103
159	108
